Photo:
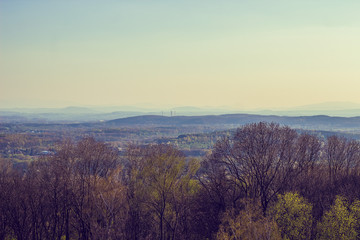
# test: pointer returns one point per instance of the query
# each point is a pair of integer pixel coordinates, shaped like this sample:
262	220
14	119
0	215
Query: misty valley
24	141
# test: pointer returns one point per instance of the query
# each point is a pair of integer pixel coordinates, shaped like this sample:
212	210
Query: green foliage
355	211
340	221
292	213
163	186
249	224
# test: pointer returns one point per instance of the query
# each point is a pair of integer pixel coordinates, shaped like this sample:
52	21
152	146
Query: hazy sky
246	54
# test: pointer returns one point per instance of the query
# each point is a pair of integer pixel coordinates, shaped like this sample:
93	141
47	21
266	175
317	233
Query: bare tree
342	157
262	159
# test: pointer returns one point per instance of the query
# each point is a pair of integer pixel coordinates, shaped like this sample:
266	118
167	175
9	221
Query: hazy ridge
105	113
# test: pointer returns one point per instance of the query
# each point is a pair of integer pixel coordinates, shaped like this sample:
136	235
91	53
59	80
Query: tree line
266	181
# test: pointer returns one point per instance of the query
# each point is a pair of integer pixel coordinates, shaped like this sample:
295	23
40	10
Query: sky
244	54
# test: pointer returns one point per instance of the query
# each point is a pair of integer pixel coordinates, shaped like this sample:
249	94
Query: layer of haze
243	54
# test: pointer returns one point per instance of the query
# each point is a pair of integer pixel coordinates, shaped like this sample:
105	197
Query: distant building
46	153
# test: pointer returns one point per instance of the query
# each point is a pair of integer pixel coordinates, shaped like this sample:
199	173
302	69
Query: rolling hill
313	122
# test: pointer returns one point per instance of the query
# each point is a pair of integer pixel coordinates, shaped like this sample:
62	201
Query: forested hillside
312	122
263	181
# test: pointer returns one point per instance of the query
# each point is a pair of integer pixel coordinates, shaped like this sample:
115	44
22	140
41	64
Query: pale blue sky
245	54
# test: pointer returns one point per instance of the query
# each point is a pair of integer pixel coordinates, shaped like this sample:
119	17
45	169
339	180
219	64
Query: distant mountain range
225	121
330	106
96	113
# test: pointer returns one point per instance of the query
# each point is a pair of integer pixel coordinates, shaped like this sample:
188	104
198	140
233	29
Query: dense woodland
265	181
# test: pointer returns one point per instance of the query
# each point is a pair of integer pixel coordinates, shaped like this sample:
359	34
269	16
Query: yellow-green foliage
164	186
293	214
355	210
339	222
249	224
